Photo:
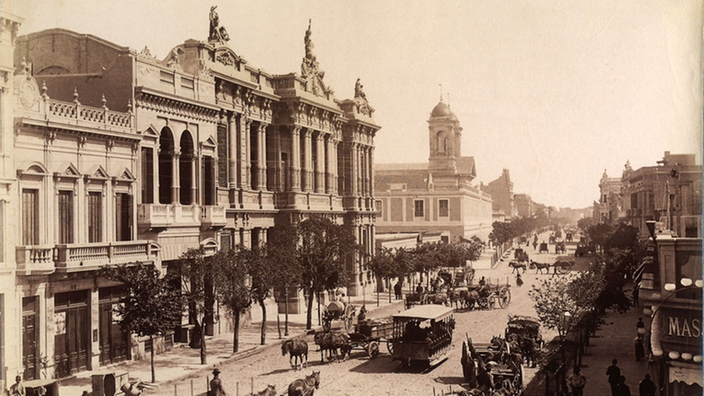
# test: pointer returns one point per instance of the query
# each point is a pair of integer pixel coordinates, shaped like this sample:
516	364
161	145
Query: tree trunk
203	349
309	314
389	280
263	336
286	310
236	334
151	354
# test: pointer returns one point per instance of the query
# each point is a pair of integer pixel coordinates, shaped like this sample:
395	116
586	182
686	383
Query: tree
501	232
383	266
232	289
285	271
151	306
261	269
426	257
600	233
321	252
197	284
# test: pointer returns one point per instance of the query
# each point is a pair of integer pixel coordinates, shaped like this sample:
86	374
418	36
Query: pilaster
232	152
307	171
320	161
261	157
295	167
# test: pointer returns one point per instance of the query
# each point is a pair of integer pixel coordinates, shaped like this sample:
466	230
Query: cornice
175	105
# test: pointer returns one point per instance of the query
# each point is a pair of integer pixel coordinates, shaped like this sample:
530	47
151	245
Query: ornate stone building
524	205
437	195
608	209
501	191
122	157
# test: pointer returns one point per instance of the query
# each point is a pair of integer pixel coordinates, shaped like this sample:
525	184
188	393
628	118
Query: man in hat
216	388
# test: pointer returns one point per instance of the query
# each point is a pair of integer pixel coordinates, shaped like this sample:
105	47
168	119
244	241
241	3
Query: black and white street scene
310	197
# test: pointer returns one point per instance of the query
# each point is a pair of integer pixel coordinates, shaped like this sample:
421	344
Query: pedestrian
635	293
640	351
482	281
647	386
640	325
398	290
577	382
614	374
419	289
216	388
623	389
17	389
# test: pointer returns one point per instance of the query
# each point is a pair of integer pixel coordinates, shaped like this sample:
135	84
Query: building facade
501	191
524	205
121	157
671	292
437	195
608	209
669	193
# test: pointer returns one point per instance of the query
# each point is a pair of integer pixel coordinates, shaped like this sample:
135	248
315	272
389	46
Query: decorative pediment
210	142
71	170
126	175
99	173
227	57
210	246
37	168
151	132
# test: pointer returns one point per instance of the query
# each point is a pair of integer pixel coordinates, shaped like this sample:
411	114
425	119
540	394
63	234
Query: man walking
647	387
623	389
614	374
577	382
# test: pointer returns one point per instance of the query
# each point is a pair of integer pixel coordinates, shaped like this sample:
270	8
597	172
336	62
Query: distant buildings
501	191
524	205
437	195
669	193
608	209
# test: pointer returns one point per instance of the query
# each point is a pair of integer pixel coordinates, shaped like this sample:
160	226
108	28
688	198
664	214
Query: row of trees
423	259
503	232
309	256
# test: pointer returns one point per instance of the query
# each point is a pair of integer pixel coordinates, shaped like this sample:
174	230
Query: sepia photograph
310	197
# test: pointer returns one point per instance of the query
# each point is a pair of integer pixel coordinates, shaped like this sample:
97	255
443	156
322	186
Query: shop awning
688	375
655	334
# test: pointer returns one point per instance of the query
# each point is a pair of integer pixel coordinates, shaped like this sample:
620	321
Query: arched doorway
185	164
166	153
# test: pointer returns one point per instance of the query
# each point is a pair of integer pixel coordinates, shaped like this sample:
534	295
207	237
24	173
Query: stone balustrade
77	114
165	215
77	257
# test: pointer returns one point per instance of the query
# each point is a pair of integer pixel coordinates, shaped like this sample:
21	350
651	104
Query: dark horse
269	391
297	349
306	386
516	266
540	267
331	341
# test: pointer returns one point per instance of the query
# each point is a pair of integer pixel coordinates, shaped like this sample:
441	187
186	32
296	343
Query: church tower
445	135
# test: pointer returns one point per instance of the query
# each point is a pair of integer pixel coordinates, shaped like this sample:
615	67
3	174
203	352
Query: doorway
71	342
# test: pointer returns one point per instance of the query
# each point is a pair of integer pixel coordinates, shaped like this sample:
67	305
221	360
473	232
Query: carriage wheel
373	349
563	268
491	302
504	298
390	347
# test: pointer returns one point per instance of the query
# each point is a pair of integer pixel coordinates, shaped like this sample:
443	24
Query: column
320	169
295	167
176	180
336	168
363	171
352	174
232	150
246	238
243	154
371	173
307	168
260	163
329	165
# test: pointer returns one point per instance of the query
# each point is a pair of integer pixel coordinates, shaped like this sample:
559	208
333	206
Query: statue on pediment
310	68
217	33
359	90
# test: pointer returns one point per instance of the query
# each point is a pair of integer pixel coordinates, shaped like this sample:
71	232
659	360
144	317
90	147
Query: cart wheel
563	268
505	298
373	349
491	303
390	347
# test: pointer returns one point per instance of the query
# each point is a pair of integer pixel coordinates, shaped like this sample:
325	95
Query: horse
269	391
516	266
436	298
540	267
331	341
471	298
306	386
455	297
297	349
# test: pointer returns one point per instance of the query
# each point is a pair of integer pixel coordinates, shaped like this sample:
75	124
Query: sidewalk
183	362
615	341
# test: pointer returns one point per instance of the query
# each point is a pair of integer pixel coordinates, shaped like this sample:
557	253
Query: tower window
418	209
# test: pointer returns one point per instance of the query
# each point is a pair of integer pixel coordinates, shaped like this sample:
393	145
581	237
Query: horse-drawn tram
422	334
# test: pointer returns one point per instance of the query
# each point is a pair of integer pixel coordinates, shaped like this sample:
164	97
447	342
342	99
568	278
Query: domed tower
445	136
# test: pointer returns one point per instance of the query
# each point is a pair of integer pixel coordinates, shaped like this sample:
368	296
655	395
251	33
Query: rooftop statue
310	68
217	32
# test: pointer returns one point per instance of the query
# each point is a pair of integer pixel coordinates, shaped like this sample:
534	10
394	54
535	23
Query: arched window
166	153
441	142
185	164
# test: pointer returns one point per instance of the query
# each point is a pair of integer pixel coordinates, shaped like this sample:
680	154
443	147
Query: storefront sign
683	326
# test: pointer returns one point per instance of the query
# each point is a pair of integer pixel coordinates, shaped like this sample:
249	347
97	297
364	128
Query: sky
555	91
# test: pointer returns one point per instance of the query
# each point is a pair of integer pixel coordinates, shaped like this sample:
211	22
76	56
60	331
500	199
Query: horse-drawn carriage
422	334
561	266
370	333
525	330
560	248
492	367
338	310
487	296
544	248
456	277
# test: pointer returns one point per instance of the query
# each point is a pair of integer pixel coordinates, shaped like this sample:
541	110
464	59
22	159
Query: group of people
618	382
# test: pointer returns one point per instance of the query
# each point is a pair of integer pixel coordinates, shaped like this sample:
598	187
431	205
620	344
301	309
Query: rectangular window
95	217
443	208
30	217
223	156
147	175
166	77
65	217
418	209
208	181
187	83
123	216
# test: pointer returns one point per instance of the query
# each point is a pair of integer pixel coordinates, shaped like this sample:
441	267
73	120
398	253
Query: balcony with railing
37	260
213	216
162	216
